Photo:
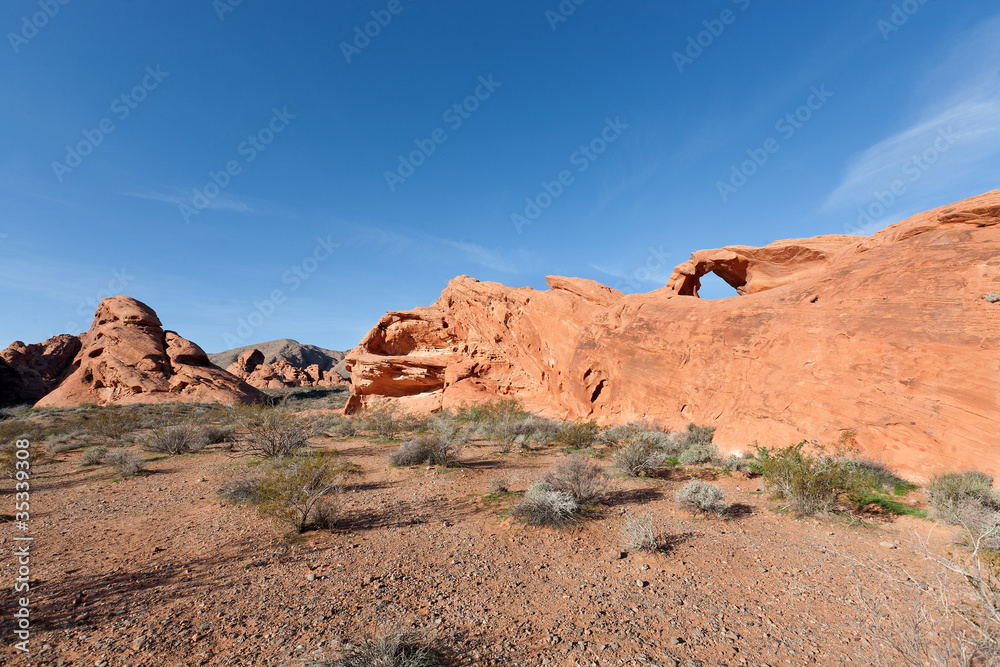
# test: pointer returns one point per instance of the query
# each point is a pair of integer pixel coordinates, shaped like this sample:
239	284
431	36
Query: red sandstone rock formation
251	368
886	335
126	357
37	368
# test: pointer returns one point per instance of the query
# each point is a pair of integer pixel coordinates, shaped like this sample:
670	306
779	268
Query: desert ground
161	568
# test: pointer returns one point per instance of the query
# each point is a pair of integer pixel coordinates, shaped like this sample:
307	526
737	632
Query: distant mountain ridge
286	349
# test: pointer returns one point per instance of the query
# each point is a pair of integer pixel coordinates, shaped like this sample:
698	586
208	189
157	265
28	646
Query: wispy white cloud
178	197
514	260
959	101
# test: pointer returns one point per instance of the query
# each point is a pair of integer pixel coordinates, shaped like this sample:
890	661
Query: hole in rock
714	287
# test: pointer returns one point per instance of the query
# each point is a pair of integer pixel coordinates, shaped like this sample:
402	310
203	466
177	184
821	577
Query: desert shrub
809	482
110	424
243	490
696	445
991	297
543	506
876	475
506	423
270	432
411	453
294	486
18	429
697	436
499	485
213	434
578	434
701	497
179	439
538	429
393	649
577	476
738	463
703	453
441	448
93	456
63	442
384	419
128	462
18	411
337	426
638	533
637	455
950	488
490	412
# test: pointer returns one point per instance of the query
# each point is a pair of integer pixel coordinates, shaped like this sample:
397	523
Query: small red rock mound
250	367
126	357
36	369
888	336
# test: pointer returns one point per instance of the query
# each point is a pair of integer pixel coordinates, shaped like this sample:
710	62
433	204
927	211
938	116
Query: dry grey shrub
543	506
177	439
128	462
577	476
393	649
268	431
697	496
638	533
93	456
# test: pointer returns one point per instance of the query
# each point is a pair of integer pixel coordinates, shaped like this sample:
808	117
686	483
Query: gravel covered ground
159	570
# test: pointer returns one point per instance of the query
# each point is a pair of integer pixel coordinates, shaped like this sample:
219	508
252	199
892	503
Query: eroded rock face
251	368
887	335
35	369
126	357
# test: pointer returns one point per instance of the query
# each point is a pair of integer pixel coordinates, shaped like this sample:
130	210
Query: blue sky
257	170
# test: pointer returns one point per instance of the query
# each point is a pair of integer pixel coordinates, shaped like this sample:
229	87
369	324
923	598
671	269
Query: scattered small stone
887	545
310	577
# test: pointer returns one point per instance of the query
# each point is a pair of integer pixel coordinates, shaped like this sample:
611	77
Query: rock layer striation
888	336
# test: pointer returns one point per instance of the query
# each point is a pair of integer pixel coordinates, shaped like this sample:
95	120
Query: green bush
543	506
294	486
697	496
577	476
578	434
809	482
